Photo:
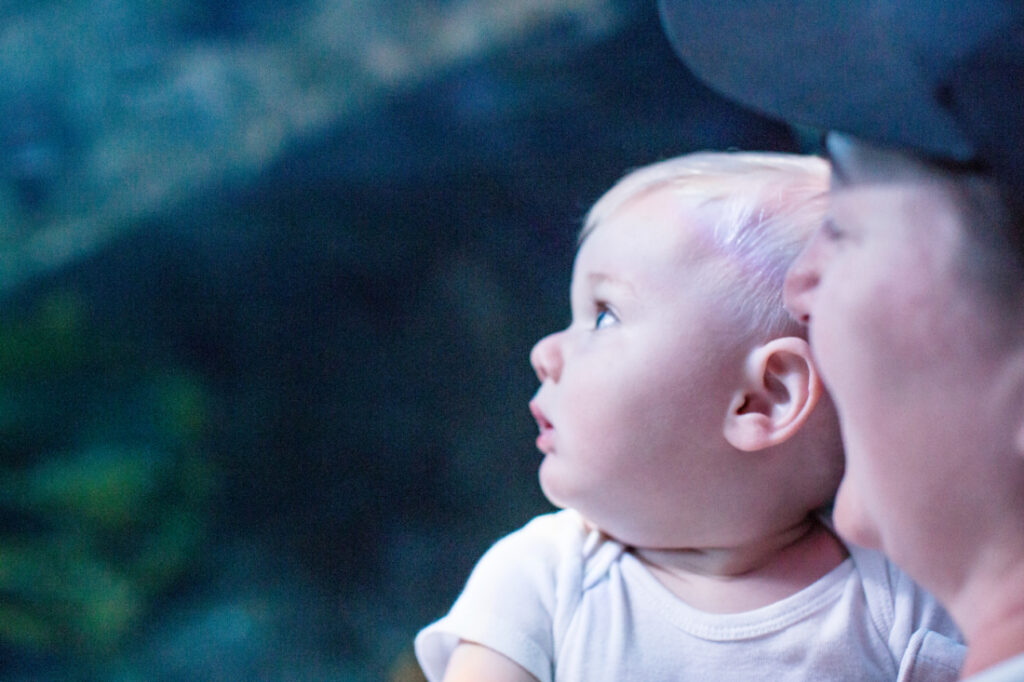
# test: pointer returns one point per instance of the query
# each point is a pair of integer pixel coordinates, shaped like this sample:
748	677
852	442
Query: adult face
919	363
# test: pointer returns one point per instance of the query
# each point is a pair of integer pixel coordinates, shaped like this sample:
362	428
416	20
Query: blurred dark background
270	273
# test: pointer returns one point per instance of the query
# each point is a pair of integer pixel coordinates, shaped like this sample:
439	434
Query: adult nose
546	357
801	282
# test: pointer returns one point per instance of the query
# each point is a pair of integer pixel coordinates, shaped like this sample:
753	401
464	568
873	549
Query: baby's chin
560	486
612	521
628	534
550	489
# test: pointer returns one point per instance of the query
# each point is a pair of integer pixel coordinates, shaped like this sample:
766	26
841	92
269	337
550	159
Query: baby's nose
798	289
546	358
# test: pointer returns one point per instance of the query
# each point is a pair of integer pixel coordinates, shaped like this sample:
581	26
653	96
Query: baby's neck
731	580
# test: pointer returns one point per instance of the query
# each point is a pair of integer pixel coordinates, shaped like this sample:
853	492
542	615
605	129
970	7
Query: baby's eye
831	230
605	318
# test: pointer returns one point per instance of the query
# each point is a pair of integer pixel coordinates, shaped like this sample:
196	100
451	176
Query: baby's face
634	392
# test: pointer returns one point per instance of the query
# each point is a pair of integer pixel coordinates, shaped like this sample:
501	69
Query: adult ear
779	391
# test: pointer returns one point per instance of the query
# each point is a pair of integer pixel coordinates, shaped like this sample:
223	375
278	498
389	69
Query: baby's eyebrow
596	279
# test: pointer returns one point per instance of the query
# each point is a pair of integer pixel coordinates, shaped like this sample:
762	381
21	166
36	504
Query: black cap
944	78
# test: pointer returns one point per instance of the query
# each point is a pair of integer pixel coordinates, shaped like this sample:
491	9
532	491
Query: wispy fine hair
757	210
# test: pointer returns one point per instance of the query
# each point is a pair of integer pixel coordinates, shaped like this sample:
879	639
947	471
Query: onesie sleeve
922	637
511	600
932	646
931	656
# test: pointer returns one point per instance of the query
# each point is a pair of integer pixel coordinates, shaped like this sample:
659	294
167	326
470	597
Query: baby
689	442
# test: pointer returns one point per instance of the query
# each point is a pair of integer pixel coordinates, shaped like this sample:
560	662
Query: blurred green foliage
104	483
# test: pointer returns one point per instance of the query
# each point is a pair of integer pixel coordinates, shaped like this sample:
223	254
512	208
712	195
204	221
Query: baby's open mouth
544	440
542	422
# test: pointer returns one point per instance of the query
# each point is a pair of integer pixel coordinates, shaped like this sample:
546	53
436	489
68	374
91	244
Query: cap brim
869	68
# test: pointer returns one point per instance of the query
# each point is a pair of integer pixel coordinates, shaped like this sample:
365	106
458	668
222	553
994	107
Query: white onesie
570	605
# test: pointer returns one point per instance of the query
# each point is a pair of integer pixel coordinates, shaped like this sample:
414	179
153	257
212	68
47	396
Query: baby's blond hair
760	208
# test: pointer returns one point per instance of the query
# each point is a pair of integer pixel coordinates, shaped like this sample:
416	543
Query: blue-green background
269	275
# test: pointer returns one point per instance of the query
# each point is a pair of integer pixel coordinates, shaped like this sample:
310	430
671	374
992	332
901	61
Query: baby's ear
779	390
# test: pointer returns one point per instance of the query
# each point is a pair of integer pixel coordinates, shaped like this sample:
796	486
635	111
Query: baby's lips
545	439
542	422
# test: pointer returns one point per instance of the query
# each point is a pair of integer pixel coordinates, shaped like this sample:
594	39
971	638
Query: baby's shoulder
550	539
897	604
879	574
560	548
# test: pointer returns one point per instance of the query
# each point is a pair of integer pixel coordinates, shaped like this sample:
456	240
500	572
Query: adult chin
851	517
